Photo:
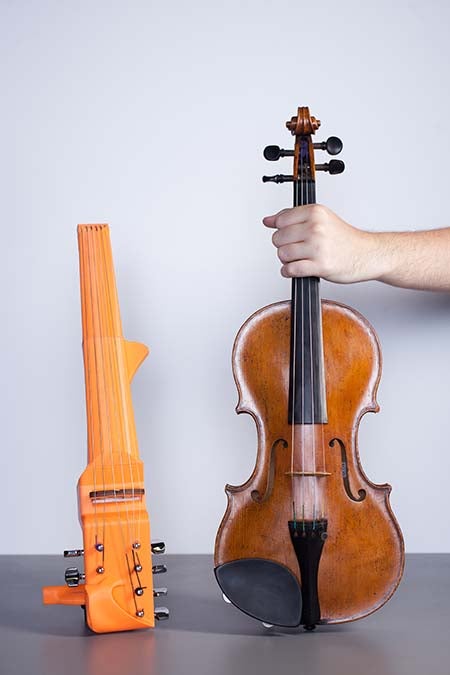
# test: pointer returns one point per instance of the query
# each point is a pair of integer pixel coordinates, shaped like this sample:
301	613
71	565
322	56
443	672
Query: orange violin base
103	615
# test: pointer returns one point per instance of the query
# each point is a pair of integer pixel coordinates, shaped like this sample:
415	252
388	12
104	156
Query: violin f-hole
361	493
255	494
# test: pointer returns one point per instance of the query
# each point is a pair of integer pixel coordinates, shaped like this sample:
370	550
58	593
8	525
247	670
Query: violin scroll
303	124
302	127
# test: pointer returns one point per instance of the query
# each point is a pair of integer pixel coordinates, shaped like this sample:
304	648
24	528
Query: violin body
308	539
362	561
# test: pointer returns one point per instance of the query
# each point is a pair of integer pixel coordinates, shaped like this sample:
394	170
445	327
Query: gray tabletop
206	636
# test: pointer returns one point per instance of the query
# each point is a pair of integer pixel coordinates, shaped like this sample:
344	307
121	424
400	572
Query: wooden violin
308	539
116	587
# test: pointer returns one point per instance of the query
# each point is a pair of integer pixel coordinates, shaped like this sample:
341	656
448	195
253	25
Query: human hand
313	241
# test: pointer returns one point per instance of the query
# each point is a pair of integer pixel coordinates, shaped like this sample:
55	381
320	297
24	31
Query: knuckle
319	210
327	266
317	216
283	217
292	269
317	227
283	254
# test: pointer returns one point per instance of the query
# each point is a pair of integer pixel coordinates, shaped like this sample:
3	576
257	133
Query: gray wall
152	117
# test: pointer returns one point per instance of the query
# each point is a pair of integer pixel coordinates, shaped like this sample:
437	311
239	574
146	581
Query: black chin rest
263	589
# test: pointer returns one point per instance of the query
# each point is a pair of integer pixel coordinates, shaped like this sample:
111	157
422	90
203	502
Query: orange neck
109	361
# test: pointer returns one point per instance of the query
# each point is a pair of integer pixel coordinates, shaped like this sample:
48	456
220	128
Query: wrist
379	255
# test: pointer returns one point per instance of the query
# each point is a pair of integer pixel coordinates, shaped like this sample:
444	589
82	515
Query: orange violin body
116	587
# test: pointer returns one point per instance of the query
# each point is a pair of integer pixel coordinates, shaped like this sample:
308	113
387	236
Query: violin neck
110	419
307	396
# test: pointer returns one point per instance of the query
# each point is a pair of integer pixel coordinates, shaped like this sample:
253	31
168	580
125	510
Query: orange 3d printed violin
116	587
308	539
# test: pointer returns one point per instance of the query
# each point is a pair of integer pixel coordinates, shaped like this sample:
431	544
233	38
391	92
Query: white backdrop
152	117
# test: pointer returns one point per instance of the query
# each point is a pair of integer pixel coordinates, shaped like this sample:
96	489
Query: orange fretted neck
109	360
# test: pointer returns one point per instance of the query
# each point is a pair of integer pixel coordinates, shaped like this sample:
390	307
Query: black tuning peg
332	145
273	152
279	178
333	166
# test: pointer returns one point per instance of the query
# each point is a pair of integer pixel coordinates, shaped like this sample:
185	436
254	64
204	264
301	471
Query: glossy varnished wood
363	557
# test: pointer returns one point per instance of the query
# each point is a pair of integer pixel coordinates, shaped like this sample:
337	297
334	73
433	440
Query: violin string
124	389
293	375
303	481
120	418
90	278
313	428
100	362
113	359
302	478
89	391
311	364
324	391
94	313
294	340
322	388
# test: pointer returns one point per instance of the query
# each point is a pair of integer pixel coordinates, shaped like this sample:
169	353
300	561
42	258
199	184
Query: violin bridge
111	496
319	474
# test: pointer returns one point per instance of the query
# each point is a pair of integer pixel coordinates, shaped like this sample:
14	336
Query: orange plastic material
118	586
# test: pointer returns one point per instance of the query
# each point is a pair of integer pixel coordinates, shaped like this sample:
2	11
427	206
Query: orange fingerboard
107	356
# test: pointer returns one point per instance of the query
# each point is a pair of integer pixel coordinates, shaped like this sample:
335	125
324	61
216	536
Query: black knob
333	166
332	145
279	178
336	166
272	153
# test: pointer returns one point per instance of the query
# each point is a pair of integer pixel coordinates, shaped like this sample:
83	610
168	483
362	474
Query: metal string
303	483
306	197
86	352
121	412
311	347
294	342
314	468
106	397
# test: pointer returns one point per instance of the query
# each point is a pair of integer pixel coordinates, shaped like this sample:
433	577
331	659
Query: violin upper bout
261	359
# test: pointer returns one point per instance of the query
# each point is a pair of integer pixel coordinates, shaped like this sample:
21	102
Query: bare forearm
419	260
